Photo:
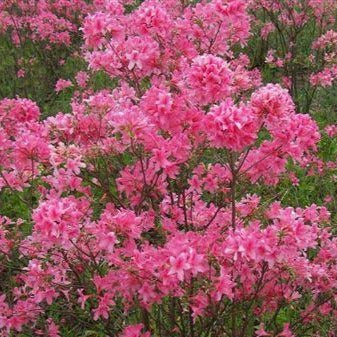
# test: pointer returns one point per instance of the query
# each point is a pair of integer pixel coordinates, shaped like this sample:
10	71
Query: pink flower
103	308
134	331
82	298
286	332
331	130
82	78
272	100
230	126
62	84
53	330
210	79
261	332
223	286
324	78
267	29
21	73
178	265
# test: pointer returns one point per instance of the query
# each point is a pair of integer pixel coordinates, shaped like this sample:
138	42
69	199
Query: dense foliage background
168	168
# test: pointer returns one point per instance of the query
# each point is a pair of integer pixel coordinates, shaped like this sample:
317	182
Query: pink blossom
21	73
179	265
62	84
231	126
82	78
272	100
210	78
134	331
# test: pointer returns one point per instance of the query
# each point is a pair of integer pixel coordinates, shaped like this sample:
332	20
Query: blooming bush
145	209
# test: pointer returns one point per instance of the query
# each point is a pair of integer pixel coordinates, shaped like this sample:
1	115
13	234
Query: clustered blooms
324	78
173	37
142	220
272	100
210	78
326	45
232	127
331	130
62	84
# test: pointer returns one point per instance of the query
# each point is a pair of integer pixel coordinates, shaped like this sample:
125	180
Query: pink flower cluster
62	84
324	78
210	79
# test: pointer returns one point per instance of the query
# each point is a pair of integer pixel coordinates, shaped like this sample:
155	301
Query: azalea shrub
160	205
